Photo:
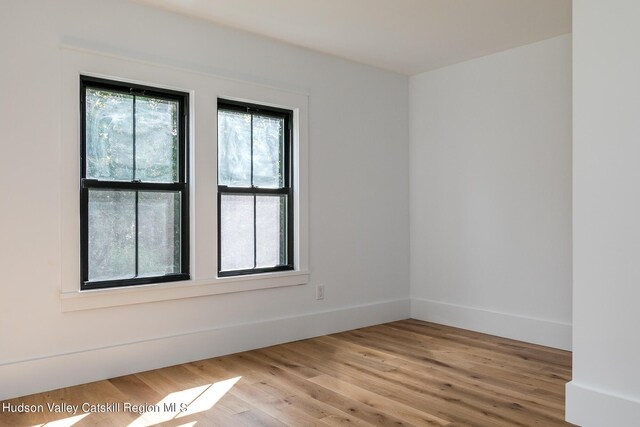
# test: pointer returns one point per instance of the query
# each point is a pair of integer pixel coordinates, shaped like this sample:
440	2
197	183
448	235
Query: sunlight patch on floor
186	402
209	397
65	422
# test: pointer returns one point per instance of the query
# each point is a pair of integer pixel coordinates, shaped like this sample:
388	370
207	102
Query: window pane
271	237
268	153
236	232
159	233
156	140
112	234
109	133
234	149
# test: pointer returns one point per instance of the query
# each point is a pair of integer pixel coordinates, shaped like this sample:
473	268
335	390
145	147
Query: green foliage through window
133	183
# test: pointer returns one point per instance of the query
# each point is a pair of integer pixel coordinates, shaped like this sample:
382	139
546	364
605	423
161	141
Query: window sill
113	297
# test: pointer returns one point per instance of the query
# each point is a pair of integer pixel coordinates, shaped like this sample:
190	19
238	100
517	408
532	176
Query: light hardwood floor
398	374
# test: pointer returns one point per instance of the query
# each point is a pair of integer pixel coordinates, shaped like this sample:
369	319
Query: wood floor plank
404	373
438	345
453	358
433	397
508	352
407	413
467	380
484	338
293	379
472	377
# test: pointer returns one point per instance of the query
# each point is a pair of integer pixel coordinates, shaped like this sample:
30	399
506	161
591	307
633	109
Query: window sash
286	189
133	89
180	186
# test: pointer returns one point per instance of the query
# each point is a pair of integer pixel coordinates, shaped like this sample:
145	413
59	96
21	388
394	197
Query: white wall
490	197
605	390
358	181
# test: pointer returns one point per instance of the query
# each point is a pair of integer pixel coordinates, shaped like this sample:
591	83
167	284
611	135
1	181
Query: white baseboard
588	407
537	331
37	375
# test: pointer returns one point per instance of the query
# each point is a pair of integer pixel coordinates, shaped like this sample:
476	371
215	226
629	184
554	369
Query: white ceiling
406	36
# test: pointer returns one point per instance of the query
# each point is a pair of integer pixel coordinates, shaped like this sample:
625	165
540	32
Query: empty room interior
336	212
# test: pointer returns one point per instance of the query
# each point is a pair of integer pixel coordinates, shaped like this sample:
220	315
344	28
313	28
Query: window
134	217
255	194
198	260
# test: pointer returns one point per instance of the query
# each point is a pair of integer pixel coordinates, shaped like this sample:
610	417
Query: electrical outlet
320	292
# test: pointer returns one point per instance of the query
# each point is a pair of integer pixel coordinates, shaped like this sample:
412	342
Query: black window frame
181	186
287	189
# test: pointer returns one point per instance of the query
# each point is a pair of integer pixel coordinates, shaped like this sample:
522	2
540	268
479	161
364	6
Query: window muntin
255	195
134	193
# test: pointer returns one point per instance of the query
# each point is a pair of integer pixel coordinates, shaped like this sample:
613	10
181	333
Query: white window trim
113	297
205	89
